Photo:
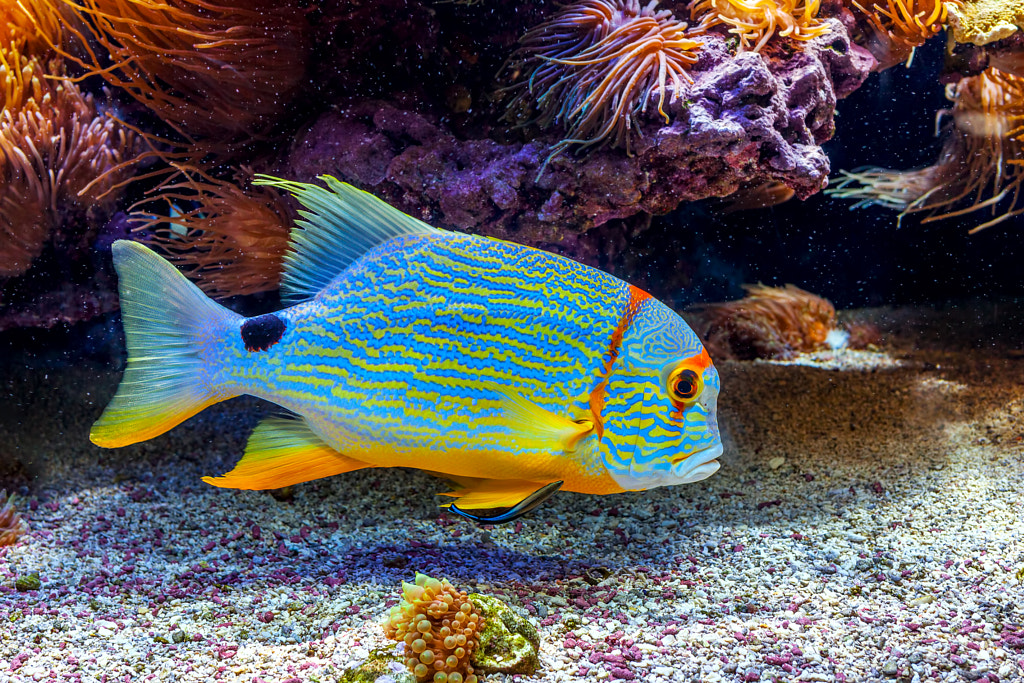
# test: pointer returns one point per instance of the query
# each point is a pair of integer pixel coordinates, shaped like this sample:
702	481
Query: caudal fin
165	381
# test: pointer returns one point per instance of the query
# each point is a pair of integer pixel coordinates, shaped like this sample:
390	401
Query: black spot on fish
262	332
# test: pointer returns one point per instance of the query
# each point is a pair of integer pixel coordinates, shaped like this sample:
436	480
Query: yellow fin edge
481	494
282	452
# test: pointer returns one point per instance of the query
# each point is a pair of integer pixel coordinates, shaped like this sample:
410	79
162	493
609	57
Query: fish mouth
694	467
698	465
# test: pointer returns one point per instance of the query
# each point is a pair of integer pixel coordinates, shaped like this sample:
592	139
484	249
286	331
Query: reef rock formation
747	118
984	21
427	105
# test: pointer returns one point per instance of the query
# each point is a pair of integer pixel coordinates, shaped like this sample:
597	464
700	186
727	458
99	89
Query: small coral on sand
981	164
770	322
597	65
440	628
12	526
754	22
509	643
229	239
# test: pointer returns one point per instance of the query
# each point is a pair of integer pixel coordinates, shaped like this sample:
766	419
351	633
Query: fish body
498	366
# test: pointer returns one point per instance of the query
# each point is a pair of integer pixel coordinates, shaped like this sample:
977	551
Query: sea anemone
893	28
12	526
29	26
59	156
982	160
230	239
754	22
223	68
770	322
440	627
596	66
25	222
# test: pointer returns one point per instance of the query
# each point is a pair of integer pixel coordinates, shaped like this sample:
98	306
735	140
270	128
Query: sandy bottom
865	524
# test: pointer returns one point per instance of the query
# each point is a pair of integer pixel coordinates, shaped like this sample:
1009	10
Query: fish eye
685	385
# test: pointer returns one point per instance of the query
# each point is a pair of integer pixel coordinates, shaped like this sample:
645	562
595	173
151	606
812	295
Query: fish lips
687	469
699	465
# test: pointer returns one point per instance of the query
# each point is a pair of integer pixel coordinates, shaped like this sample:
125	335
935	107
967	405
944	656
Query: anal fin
281	452
519	496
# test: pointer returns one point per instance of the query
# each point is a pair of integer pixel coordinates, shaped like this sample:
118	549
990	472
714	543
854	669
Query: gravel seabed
865	525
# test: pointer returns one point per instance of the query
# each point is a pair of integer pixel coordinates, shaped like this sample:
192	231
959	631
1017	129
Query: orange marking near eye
598	395
702	360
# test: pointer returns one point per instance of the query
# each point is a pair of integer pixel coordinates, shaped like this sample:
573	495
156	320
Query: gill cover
660	410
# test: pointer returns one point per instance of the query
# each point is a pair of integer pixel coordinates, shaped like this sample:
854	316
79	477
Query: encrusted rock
509	643
385	665
985	21
27	582
747	118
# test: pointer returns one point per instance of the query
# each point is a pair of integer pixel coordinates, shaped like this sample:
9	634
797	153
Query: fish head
659	414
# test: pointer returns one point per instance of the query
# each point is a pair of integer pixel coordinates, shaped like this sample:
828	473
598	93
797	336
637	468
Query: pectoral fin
282	452
538	427
519	496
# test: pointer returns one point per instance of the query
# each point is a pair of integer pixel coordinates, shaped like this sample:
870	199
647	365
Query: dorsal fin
339	224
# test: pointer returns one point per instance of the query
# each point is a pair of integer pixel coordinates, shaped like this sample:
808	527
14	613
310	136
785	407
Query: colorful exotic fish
506	369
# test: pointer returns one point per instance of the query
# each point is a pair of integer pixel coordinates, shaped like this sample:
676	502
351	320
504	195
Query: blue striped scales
500	367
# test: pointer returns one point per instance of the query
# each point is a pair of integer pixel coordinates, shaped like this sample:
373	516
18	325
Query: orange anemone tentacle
895	27
982	160
756	21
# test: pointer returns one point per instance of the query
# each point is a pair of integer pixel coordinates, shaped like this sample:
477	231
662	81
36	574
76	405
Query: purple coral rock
747	119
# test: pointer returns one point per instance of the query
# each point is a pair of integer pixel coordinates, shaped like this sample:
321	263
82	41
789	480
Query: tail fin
162	313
